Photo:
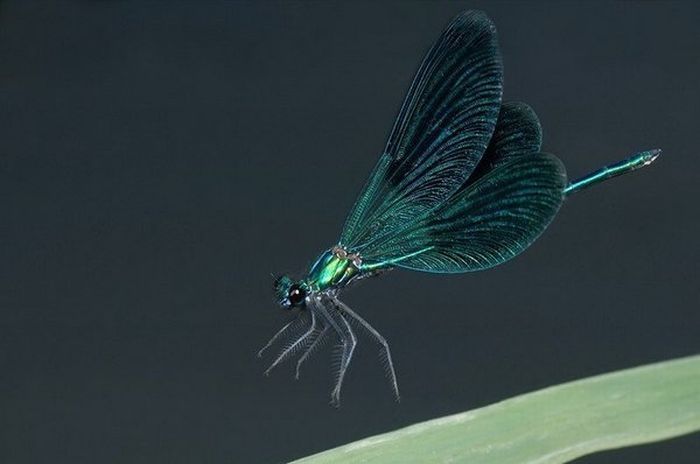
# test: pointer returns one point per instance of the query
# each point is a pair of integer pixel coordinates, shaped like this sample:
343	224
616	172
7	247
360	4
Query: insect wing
440	134
489	222
518	133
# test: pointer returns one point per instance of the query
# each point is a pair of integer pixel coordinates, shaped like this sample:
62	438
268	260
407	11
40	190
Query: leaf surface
550	426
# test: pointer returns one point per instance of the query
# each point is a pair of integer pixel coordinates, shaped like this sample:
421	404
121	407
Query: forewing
440	134
490	222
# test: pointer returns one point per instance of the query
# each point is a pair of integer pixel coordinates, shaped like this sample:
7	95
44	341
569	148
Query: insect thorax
334	268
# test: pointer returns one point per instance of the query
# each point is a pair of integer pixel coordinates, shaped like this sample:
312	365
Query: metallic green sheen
331	270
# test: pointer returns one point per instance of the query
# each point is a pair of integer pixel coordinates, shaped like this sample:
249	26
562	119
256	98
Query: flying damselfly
461	186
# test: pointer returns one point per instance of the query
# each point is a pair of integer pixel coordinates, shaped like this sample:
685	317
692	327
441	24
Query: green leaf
554	425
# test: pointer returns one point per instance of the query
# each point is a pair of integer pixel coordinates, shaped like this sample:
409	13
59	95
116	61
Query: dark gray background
158	161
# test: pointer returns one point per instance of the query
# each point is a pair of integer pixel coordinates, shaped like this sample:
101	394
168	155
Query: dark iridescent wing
440	134
518	133
489	222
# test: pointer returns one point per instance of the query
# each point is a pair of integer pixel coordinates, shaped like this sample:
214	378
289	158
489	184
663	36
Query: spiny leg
293	346
341	330
289	325
337	360
348	344
320	306
310	350
348	350
385	351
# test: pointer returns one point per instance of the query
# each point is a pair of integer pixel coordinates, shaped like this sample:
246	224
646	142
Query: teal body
637	161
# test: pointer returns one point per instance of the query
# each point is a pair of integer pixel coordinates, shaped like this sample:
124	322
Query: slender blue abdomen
630	164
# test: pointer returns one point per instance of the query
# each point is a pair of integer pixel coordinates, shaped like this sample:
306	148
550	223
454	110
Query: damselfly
461	186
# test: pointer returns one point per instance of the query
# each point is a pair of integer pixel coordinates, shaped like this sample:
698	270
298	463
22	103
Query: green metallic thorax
334	268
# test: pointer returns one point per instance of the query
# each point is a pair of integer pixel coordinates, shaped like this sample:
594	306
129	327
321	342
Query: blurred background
160	160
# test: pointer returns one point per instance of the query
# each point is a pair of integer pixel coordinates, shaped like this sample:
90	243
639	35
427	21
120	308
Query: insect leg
294	346
289	325
384	350
331	316
349	348
310	350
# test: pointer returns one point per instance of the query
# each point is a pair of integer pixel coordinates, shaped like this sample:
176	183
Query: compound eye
296	295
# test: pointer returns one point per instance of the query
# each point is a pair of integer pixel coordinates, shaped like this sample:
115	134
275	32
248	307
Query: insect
461	186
